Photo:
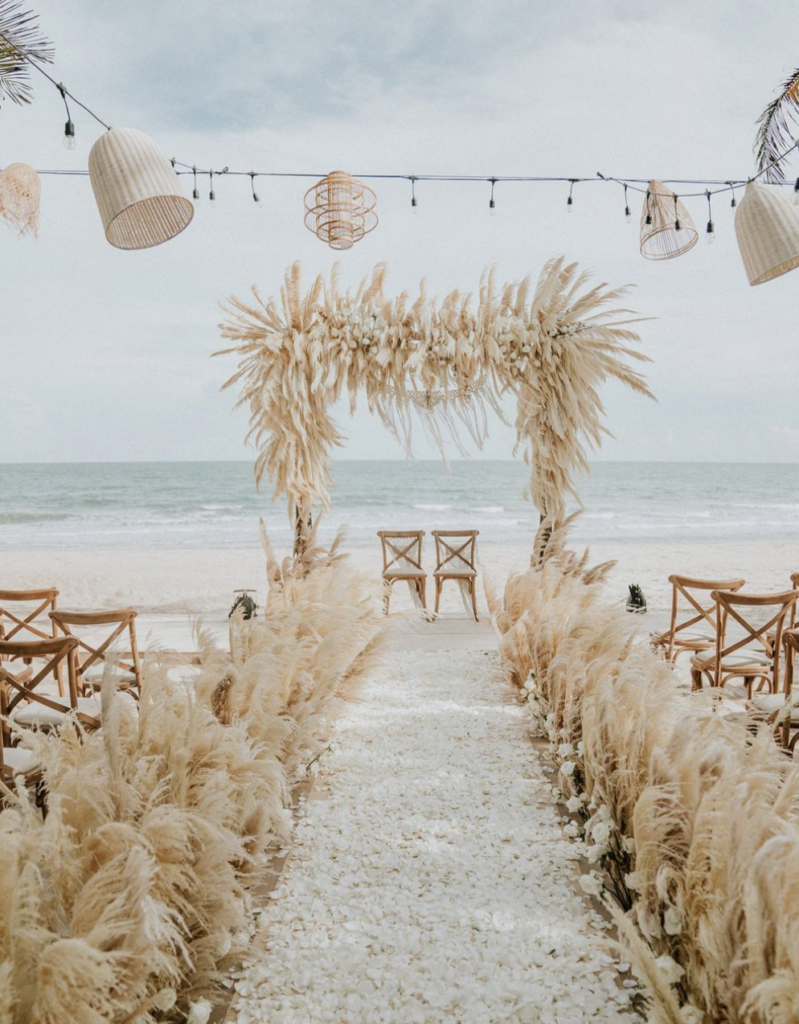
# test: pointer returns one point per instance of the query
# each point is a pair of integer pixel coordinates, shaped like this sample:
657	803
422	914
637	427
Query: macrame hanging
767	229
20	198
137	191
667	229
340	210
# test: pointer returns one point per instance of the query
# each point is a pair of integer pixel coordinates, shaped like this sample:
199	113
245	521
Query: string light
733	201
69	127
677	225
255	196
211	194
414	207
492	206
570	200
710	231
648	220
627	211
196	192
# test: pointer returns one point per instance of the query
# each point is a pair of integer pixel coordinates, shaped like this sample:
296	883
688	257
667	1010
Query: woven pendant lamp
340	210
20	197
767	229
137	191
667	229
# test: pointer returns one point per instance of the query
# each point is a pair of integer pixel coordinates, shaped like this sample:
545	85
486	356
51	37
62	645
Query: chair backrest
49	654
698	595
402	550
455	550
104	653
790	639
19	623
761	619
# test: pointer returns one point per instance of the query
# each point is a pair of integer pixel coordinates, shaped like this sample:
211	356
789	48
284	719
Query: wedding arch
447	362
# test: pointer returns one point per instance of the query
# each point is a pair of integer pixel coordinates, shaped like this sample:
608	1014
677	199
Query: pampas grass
120	904
702	854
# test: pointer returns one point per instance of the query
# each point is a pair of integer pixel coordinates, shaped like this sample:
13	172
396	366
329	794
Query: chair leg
439	582
386	598
423	592
696	679
473	591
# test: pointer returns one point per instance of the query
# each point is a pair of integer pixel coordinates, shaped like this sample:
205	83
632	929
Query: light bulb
257	200
569	204
69	136
628	214
195	194
710	233
212	197
492	208
414	205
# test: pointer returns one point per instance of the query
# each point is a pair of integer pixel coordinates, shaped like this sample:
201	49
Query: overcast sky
105	355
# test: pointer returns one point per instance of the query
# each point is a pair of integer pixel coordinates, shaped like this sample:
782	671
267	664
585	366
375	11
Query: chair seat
769	704
404	574
743	658
34	714
19	761
695	636
94	676
455	572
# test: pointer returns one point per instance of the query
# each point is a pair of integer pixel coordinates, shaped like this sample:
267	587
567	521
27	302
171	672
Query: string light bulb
255	197
570	200
648	220
69	128
196	193
211	193
677	224
733	200
628	214
492	206
414	205
710	231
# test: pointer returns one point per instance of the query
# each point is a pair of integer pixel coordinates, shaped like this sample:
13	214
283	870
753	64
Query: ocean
196	505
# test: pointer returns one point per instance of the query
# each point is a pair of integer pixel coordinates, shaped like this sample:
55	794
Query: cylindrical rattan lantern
340	210
137	191
767	228
20	197
667	229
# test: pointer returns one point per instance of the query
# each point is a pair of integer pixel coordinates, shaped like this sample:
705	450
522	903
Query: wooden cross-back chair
402	560
95	661
14	760
697	632
26	704
753	655
24	623
456	552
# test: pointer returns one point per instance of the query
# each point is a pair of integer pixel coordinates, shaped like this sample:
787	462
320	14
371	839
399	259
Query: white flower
634	881
571	830
593	853
628	844
567	768
165	999
199	1012
669	968
580	748
565	750
591	884
601	832
574	803
692	1014
672	921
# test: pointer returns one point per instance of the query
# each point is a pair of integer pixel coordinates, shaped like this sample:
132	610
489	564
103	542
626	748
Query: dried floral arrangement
691	817
447	362
121	904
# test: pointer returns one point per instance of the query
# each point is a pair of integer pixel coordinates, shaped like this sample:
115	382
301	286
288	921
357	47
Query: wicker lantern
20	196
137	191
767	228
667	229
340	210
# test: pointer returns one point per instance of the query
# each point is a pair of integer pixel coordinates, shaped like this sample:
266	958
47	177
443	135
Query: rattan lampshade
20	197
767	228
137	191
662	239
340	210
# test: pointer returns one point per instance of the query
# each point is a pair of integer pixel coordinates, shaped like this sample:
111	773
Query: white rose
669	968
591	884
571	830
628	844
634	881
580	748
593	853
672	921
565	750
601	832
567	768
574	803
165	999
199	1012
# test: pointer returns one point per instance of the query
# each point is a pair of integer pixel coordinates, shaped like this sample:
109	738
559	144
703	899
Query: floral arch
448	362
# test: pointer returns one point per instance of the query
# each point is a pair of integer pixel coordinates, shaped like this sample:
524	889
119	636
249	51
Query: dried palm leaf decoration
137	191
767	229
340	210
667	229
20	40
20	197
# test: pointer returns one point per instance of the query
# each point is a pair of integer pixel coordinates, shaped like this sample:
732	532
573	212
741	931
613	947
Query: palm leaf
777	128
20	41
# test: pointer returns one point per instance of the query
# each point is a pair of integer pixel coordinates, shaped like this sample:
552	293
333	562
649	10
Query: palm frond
777	128
21	41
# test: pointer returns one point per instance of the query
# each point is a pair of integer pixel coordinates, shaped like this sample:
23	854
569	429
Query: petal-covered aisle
431	882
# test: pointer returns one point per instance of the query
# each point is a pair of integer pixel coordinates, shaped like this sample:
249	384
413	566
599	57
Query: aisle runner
433	883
